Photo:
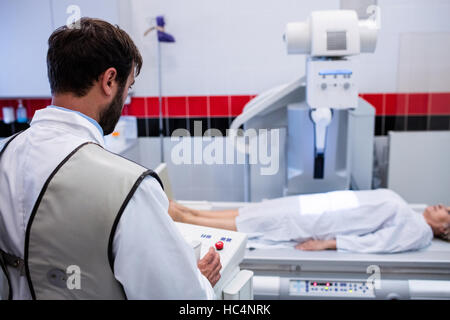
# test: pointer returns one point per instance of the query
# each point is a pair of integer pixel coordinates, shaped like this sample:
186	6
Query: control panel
330	289
229	244
331	84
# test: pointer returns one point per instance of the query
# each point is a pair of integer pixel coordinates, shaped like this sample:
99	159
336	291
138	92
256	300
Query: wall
229	51
223	47
24	47
425	178
25	26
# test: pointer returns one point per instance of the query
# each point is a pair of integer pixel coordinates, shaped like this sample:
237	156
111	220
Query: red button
219	245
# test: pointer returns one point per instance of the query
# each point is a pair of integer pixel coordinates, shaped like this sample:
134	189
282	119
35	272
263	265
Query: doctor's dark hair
77	56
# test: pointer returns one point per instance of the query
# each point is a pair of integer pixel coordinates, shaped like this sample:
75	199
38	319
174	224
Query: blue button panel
338	72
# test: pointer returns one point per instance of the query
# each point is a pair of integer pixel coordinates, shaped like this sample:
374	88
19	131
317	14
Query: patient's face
440	217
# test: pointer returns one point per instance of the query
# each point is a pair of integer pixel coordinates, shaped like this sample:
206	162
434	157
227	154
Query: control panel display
336	289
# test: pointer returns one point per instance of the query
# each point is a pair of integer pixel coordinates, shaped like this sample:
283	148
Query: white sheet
374	221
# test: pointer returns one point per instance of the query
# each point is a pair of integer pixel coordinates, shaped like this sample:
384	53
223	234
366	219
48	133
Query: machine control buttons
323	86
330	289
339	72
219	245
346	86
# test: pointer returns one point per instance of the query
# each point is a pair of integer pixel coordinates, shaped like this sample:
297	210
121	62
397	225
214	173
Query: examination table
287	273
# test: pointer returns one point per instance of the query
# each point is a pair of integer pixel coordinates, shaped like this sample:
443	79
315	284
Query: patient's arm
213	214
215	219
315	245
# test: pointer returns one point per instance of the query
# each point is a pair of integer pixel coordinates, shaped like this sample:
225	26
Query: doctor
78	222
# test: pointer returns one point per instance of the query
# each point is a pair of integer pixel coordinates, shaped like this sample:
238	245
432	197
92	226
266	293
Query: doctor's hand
210	266
315	245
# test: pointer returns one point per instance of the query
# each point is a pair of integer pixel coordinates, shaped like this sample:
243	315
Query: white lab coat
373	221
151	258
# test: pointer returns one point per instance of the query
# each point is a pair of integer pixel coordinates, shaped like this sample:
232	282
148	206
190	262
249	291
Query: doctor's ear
107	81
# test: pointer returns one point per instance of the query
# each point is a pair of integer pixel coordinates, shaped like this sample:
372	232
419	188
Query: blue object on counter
21	113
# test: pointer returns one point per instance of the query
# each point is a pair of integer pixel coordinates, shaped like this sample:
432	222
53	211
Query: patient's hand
315	245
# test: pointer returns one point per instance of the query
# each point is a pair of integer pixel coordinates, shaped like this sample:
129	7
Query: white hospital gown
373	221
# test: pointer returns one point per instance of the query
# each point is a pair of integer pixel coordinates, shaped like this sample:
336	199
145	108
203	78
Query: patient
373	221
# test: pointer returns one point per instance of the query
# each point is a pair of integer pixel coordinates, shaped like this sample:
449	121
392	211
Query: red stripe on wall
410	104
221	105
440	103
198	106
389	104
30	104
376	100
418	103
396	104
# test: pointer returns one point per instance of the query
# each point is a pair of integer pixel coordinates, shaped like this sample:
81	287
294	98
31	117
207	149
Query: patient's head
438	217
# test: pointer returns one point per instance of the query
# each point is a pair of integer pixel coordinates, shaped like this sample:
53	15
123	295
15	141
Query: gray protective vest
68	244
5	258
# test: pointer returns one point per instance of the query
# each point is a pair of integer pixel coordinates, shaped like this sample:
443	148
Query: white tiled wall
25	26
380	71
23	71
426	178
235	46
228	47
424	63
223	47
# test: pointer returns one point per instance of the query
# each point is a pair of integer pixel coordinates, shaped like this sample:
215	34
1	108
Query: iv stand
159	27
161	136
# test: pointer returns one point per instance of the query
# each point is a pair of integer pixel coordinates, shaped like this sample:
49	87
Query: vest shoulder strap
4	143
6	292
7	259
